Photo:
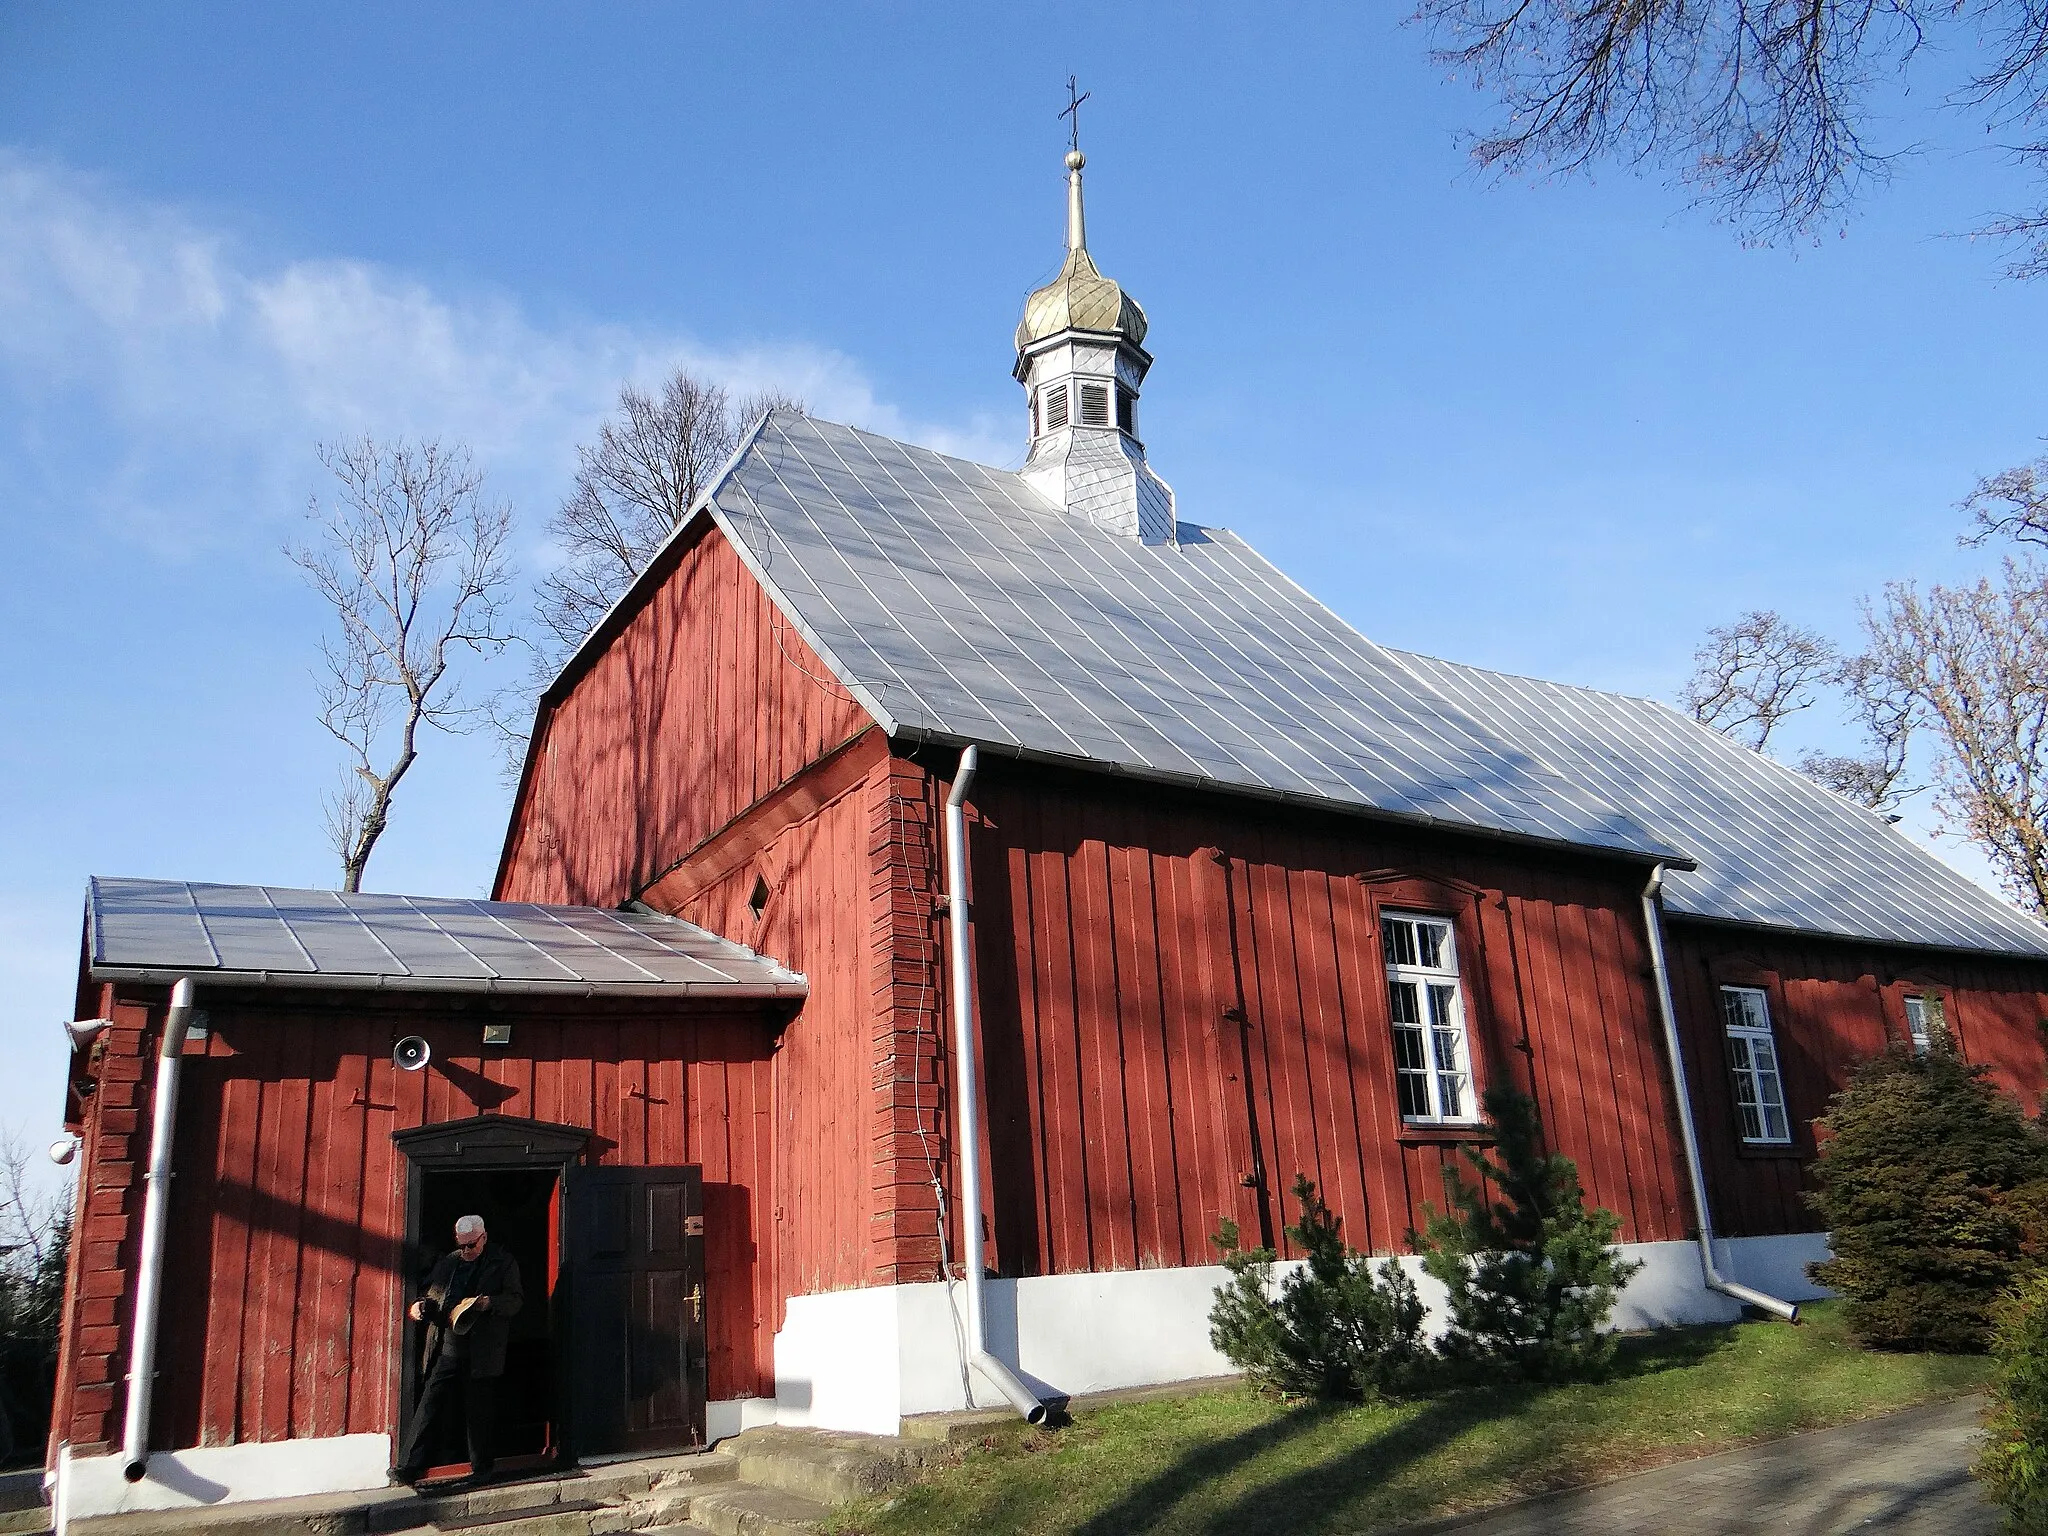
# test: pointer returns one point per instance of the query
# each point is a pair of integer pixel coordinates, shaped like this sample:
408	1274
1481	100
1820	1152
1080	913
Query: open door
636	1273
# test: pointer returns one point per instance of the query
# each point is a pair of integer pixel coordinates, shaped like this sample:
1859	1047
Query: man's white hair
469	1224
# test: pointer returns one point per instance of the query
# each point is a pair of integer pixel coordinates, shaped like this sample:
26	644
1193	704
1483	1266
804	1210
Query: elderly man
468	1305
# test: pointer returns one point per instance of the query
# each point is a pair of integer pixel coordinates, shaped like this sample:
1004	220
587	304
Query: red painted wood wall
1832	1005
282	1276
703	702
1179	989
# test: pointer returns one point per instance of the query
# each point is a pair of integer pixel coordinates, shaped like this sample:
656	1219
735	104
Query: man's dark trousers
479	1409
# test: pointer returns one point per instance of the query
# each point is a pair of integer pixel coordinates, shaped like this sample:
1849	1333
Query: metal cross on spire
1073	111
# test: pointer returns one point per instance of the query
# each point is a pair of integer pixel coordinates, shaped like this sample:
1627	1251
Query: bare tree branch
2012	504
634	487
1749	676
412	559
35	1231
1761	106
1973	664
1877	777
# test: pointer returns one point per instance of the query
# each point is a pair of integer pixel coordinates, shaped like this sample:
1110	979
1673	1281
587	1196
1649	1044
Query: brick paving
1906	1474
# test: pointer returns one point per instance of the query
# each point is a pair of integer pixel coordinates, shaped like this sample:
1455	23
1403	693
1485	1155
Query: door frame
484	1144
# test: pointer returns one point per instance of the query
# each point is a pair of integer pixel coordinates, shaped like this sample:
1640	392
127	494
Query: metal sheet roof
159	930
1775	849
953	600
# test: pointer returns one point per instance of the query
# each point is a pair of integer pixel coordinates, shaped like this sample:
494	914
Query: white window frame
1922	1009
1761	1116
1432	1045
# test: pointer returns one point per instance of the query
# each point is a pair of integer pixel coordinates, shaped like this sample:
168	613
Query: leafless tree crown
1749	675
1762	105
634	486
412	557
1971	662
2012	504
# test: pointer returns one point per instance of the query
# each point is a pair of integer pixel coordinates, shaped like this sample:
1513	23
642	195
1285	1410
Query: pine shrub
1339	1329
1928	1183
1532	1276
2014	1463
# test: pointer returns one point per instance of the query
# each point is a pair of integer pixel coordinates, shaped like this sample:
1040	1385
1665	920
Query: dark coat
498	1278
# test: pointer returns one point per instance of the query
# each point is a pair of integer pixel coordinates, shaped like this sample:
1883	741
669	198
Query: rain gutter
968	1101
156	1203
1653	923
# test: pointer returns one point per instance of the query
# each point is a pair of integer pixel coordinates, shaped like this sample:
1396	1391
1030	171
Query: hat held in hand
463	1315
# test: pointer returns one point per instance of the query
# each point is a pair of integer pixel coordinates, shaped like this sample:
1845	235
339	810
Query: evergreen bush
2014	1463
1532	1275
1339	1329
1928	1182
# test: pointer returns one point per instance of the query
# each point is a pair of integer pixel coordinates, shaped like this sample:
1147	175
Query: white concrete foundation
93	1485
863	1359
86	1486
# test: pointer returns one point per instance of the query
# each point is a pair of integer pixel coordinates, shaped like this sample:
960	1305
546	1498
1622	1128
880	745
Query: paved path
1906	1474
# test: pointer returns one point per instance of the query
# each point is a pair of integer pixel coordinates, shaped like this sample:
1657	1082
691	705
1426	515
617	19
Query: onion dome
1079	298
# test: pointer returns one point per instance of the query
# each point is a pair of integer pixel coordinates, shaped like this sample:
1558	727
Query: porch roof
271	936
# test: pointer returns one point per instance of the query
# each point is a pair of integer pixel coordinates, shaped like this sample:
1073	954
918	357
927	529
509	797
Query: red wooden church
1239	894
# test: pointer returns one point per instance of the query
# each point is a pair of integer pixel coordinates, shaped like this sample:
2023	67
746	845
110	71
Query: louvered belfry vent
1056	408
1094	405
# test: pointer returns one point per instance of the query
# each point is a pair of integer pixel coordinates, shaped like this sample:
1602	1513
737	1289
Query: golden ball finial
1075	159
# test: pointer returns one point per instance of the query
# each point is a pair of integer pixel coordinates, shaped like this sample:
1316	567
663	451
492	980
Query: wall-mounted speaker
411	1053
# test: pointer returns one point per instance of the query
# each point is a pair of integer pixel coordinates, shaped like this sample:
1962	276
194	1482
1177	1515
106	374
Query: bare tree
634	487
1972	664
2012	504
1749	675
35	1231
411	556
1877	776
1763	106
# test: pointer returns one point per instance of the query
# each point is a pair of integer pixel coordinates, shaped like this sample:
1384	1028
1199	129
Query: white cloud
204	375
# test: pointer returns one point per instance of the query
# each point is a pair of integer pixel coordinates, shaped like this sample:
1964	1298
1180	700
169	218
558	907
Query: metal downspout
1653	923
156	1203
967	1108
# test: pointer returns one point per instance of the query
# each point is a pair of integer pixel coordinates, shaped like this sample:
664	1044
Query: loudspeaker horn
411	1053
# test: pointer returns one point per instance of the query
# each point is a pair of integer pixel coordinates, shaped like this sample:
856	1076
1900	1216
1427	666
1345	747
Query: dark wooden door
636	1308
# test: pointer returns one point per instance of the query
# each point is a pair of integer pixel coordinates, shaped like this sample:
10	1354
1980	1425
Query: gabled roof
262	935
956	602
959	605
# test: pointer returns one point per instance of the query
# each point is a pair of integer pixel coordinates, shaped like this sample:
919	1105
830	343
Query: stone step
628	1488
624	1484
828	1467
24	1522
745	1510
578	1517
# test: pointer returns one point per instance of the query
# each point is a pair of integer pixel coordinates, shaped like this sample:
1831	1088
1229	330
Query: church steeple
1081	360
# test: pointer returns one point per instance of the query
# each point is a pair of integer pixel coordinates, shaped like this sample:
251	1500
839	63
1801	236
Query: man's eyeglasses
465	1244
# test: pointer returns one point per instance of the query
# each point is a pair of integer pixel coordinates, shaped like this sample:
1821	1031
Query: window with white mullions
1923	1017
1753	1064
1432	1059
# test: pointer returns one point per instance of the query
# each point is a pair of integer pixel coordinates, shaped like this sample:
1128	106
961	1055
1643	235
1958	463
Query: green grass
1232	1462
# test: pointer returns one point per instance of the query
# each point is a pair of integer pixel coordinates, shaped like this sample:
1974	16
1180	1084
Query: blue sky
1553	428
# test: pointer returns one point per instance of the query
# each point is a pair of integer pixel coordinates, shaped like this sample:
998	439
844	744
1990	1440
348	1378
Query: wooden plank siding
283	1271
1833	1004
702	704
1179	993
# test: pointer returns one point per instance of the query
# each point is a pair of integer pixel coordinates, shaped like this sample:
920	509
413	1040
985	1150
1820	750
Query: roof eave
796	989
1918	946
1669	858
